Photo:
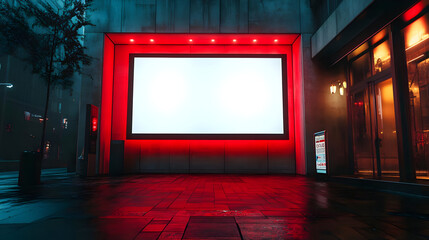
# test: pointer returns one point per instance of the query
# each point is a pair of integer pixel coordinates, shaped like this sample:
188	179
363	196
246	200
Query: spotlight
276	40
341	91
254	40
213	40
333	88
151	40
234	40
131	40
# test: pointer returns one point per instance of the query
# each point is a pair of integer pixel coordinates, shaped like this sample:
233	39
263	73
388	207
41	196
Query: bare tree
48	35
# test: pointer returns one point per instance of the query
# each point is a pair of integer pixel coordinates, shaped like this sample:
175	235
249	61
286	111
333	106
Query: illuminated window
370	58
360	69
381	57
416	50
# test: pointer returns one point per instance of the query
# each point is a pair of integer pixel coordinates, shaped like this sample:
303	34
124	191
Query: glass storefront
375	140
416	39
375	144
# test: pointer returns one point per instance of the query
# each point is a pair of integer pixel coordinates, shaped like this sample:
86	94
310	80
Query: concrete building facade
324	43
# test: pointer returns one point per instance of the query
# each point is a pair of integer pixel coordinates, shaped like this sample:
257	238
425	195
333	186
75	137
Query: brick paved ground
206	207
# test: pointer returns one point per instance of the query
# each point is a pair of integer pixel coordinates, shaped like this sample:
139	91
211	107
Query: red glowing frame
284	135
114	98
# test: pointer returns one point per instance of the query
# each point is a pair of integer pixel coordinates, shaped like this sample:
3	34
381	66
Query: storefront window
360	69
381	57
416	36
373	112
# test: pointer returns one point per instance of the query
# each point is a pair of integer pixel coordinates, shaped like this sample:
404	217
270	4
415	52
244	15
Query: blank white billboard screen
207	95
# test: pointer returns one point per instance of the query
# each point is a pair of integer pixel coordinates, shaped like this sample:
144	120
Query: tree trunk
45	117
48	94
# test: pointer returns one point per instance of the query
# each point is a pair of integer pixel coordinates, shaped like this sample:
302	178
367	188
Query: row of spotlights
213	40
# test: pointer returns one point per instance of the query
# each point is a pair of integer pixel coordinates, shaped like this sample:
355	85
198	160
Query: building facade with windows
372	52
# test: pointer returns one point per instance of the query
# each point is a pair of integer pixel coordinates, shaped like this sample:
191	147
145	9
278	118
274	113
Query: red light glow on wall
94	123
113	118
413	11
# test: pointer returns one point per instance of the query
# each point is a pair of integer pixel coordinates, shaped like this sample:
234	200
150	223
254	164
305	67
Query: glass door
374	130
364	159
386	142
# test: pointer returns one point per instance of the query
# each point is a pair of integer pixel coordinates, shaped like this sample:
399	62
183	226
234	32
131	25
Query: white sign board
203	95
320	146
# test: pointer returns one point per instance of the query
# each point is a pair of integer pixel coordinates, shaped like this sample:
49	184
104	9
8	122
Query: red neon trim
114	100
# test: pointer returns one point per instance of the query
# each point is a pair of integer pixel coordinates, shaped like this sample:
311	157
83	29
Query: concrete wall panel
274	16
131	156
281	158
246	157
139	16
179	157
172	16
155	157
207	156
204	16
234	16
106	16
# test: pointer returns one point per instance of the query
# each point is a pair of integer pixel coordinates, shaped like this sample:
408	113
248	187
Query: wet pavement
209	206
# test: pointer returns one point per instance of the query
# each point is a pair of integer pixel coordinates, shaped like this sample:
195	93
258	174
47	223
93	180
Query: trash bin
30	167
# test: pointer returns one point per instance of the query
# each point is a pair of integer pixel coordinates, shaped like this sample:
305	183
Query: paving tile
205	219
175	227
207	227
148	236
156	226
171	236
282	213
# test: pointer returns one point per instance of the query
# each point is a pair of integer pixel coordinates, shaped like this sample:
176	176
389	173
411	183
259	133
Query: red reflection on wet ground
209	206
205	206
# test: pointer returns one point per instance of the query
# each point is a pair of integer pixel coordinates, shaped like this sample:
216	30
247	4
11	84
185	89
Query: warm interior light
234	40
190	40
151	40
344	84
276	40
341	91
131	40
213	40
254	40
379	36
381	57
416	33
333	88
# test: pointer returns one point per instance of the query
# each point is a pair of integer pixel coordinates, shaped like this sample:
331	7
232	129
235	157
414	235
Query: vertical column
299	122
106	107
402	105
